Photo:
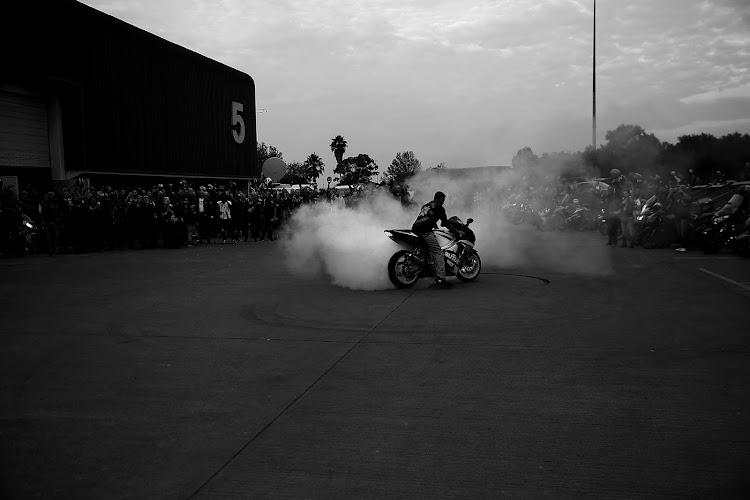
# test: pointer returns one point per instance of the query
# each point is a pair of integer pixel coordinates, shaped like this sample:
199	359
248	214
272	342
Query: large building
83	94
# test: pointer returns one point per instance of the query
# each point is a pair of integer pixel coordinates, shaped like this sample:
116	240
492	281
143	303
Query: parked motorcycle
722	232
743	241
659	230
518	213
562	218
27	235
414	261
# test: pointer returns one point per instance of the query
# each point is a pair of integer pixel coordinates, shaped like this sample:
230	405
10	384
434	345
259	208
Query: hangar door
24	131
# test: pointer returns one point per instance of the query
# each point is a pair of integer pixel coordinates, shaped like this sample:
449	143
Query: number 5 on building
237	119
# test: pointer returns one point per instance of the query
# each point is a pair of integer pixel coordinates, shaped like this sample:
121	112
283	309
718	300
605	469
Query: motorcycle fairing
405	235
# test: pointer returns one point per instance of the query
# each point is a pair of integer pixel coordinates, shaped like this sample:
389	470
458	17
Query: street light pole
593	121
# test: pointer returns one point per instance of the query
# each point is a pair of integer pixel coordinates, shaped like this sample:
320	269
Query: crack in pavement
287	407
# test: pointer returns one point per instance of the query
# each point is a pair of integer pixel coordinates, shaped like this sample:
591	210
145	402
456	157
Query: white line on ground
744	287
707	257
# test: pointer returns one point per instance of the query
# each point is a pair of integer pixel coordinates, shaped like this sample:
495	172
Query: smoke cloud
348	246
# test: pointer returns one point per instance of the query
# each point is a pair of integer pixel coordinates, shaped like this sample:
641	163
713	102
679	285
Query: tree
525	158
296	173
314	167
356	169
264	152
403	166
338	146
630	149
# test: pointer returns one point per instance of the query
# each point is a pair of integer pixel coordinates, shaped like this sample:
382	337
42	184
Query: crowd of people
95	218
622	198
75	218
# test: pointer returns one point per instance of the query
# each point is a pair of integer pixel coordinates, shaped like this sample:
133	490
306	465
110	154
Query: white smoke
348	245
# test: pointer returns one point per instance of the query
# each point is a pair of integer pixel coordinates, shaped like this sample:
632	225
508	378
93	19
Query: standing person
679	204
225	215
256	215
167	224
241	208
627	219
269	215
150	221
612	208
52	217
186	212
203	216
427	219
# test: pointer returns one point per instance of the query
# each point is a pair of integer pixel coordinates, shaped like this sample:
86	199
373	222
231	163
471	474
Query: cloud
741	91
464	84
717	128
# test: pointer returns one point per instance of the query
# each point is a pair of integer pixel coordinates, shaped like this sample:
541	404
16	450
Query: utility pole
593	121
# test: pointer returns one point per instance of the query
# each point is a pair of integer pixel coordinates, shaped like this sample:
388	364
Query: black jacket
428	217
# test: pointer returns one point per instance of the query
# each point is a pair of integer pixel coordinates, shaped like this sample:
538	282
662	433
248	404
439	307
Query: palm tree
338	146
314	166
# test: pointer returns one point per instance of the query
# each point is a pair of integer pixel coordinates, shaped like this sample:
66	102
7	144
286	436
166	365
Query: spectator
269	216
678	203
612	210
627	219
241	215
52	217
225	216
256	216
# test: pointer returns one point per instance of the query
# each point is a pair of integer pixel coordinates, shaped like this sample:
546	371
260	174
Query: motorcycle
562	218
659	230
27	235
518	213
604	228
743	241
414	261
724	231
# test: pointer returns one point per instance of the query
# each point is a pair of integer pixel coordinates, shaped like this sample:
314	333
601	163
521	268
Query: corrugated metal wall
153	107
24	140
131	101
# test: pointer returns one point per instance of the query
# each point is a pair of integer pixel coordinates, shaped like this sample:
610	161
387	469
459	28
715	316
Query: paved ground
212	373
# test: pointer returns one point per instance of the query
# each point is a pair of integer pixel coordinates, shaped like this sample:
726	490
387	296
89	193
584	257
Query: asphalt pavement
211	372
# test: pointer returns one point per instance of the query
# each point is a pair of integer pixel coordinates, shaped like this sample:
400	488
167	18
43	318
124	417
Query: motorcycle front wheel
649	238
469	267
402	271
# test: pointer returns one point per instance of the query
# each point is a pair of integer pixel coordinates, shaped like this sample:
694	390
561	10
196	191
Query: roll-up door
24	133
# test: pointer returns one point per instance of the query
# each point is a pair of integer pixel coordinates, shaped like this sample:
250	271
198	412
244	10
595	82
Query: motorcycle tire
470	267
711	247
395	271
649	239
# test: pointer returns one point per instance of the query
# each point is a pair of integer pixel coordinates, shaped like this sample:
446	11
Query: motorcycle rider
429	215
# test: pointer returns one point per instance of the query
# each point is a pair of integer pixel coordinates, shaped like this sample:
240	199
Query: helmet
657	206
575	201
614	172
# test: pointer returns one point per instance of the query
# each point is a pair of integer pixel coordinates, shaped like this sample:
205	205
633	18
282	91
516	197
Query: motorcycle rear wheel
400	275
711	247
469	267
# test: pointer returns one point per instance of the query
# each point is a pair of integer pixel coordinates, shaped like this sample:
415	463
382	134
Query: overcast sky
464	82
